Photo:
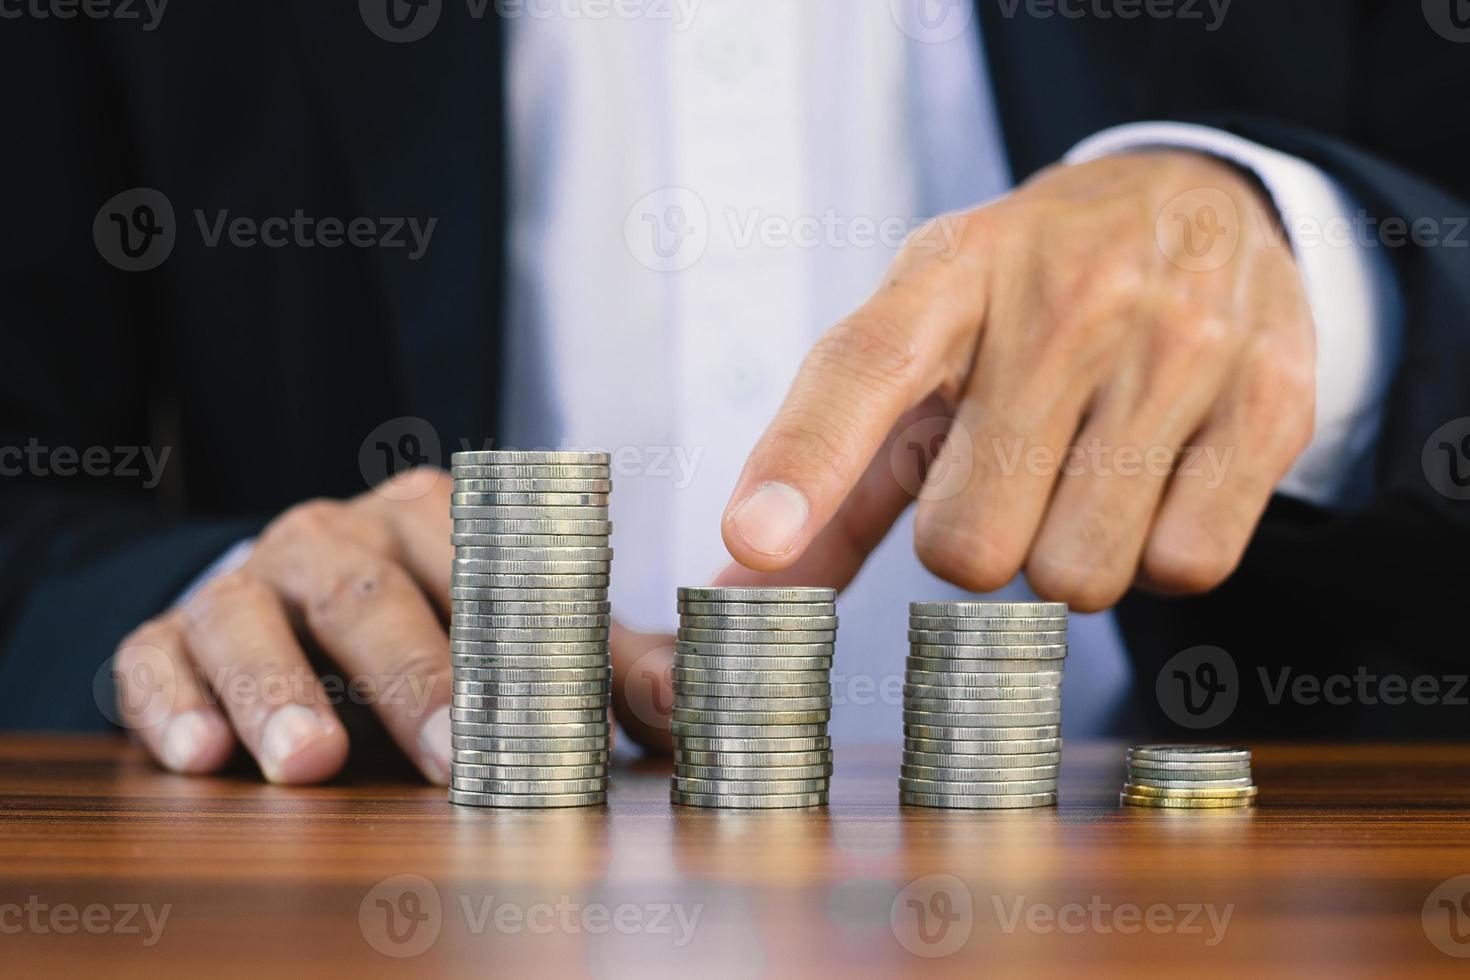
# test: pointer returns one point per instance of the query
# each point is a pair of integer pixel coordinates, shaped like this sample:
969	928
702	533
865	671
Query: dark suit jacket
263	369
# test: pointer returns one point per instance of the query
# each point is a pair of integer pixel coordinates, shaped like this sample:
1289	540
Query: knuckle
1083	588
1105	285
1187	569
225	593
358	587
967	558
1191	335
308	521
870	349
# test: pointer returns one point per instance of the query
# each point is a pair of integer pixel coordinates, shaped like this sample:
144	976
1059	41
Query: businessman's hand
365	582
1122	356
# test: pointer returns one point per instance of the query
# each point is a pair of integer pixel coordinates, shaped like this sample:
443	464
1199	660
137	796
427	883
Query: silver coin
949	638
773	637
587	594
689	770
745	734
1018	746
948	693
994	624
502	525
727	719
528	656
461	513
521	607
775	666
1189	753
519	744
555	566
758	609
548	786
511	730
740	594
963	680
752	760
954	706
465	770
993	610
782	692
1191	793
496	498
589	634
954	719
497	457
965	761
496	674
956	774
778	624
746	744
967	654
533	471
1184	770
952	801
971	787
726	681
526	800
729	802
1163	802
990	736
530	703
1004	665
757	787
1204	784
472	580
597	682
701	702
470	757
530	716
477	540
773	649
534	487
600	553
530	621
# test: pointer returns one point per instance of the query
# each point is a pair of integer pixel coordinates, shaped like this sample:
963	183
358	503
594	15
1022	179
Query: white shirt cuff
1350	284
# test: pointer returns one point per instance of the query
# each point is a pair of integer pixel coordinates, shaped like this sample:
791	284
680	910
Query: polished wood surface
1329	875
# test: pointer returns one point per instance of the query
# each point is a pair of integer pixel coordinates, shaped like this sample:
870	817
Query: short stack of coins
982	704
528	630
1189	777
752	697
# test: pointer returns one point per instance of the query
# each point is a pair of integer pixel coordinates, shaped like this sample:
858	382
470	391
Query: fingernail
288	733
434	747
771	518
188	739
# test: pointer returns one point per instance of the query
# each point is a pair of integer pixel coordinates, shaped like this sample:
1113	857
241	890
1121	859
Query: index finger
914	336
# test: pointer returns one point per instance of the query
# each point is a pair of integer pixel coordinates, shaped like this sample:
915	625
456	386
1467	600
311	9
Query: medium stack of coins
529	628
982	704
1188	777
752	697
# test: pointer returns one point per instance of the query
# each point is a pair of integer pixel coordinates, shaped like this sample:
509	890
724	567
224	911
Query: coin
530	703
738	594
547	581
775	666
698	716
982	747
595	683
976	787
465	770
684	686
521	621
745	733
965	761
720	680
492	673
696	608
497	457
947	694
773	637
956	719
697	702
465	497
1204	792
1134	779
556	786
1204	768
587	635
1032	733
1185	804
725	801
782	650
1144	774
993	624
471	757
917	706
543	525
598	553
462	513
1189	753
777	624
520	743
971	802
753	744
981	610
948	638
970	681
491	566
951	774
522	607
509	730
526	800
579	485
493	594
753	787
968	654
964	667
753	760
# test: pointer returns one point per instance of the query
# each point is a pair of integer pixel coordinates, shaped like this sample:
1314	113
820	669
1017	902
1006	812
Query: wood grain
1330	872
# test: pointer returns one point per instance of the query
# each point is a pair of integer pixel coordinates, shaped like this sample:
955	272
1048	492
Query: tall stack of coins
982	704
529	629
752	697
1189	777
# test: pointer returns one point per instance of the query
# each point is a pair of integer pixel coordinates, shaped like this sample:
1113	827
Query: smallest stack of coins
1188	777
752	697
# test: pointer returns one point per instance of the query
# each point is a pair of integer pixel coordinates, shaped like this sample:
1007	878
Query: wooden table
1332	872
